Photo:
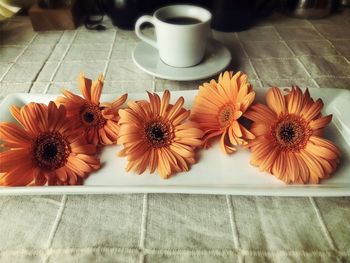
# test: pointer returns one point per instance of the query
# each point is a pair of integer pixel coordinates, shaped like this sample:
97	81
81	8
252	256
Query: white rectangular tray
215	173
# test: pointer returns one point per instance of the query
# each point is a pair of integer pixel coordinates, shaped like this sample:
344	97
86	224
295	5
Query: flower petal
260	113
236	129
313	111
295	101
164	168
85	86
276	101
164	102
96	90
175	110
279	166
320	122
247	101
10	132
224	147
20	175
12	158
323	148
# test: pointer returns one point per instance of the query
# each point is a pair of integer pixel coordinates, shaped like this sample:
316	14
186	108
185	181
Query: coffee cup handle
142	36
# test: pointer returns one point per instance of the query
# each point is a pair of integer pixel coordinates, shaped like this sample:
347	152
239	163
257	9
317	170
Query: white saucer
216	59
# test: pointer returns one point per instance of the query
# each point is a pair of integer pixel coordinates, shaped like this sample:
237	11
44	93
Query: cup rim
206	20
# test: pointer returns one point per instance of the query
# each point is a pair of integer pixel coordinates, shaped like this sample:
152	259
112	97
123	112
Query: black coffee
182	20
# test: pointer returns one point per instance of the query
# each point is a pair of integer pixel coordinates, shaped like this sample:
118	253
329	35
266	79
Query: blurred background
228	15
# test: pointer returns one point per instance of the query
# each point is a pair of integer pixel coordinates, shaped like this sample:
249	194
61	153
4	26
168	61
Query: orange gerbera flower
157	135
45	149
99	120
219	106
288	140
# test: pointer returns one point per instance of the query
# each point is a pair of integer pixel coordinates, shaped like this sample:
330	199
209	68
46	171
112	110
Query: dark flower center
288	132
291	132
158	134
91	115
50	151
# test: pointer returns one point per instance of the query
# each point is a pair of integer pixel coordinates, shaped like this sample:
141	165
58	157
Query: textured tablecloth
174	227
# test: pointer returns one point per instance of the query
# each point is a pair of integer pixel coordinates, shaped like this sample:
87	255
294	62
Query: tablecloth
278	50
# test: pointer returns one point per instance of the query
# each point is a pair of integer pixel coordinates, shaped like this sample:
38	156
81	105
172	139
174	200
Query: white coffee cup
180	43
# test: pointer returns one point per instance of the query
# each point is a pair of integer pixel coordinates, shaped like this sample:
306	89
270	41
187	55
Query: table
174	227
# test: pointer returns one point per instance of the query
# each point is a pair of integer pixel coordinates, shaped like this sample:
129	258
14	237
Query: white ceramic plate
215	173
217	57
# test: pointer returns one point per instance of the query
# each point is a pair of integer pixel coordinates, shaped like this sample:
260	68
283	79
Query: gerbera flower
157	135
44	149
288	140
219	106
99	120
